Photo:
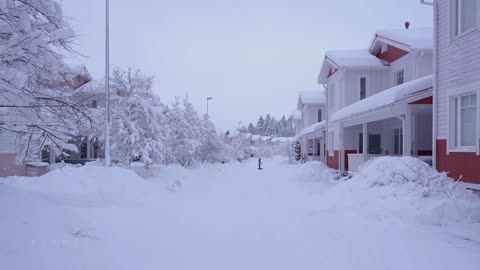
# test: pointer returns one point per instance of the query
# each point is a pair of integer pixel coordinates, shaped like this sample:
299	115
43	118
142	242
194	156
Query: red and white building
379	98
456	92
310	124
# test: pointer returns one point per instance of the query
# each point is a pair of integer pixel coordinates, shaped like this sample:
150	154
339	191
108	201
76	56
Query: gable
391	54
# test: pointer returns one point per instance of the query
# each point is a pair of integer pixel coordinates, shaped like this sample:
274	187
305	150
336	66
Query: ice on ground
233	216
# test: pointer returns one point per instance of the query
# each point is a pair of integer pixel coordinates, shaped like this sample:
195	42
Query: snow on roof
297	115
384	98
315	97
354	58
282	139
312	129
413	38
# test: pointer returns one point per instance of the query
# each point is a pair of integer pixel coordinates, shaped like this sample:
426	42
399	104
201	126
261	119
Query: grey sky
252	56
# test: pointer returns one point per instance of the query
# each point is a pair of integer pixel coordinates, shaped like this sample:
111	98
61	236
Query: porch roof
311	130
405	93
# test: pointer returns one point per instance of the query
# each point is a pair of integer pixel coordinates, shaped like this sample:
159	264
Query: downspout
434	4
326	125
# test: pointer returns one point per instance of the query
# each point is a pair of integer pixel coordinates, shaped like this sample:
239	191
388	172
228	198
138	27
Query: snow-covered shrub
385	171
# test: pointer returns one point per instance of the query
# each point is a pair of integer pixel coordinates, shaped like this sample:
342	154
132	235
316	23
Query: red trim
391	54
346	157
331	72
424	152
458	164
332	161
427	100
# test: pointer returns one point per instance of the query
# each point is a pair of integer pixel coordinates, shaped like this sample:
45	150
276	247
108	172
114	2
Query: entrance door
374	144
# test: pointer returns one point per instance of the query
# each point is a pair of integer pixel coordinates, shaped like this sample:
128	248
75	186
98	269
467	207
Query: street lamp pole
208	99
107	85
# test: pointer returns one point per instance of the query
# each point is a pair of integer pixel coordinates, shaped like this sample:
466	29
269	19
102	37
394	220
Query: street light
107	84
208	99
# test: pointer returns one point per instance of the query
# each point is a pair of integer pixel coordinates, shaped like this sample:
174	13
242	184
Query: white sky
252	56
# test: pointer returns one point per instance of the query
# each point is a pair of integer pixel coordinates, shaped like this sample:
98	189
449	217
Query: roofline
355	115
394	43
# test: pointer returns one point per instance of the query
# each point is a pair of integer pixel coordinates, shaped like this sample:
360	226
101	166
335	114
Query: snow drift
405	188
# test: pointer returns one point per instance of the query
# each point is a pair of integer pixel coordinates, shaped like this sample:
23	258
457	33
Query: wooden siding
458	164
427	100
391	54
375	83
9	167
458	65
346	157
7	142
332	161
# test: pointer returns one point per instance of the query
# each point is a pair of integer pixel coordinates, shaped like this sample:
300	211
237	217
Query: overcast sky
252	56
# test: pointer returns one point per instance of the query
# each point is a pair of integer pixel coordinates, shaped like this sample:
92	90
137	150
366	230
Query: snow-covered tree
183	139
252	129
137	119
36	83
261	126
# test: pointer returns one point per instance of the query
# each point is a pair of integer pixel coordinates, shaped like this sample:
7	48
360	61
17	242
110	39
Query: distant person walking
260	164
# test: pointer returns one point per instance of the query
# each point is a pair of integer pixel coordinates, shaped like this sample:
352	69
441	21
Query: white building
311	126
384	91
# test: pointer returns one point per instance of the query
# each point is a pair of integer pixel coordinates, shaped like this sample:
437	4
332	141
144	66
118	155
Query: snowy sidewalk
229	216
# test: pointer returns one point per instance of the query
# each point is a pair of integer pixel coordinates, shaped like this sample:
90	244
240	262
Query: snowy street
229	216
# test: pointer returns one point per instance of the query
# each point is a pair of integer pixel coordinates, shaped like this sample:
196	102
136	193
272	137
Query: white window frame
455	20
395	73
454	117
360	87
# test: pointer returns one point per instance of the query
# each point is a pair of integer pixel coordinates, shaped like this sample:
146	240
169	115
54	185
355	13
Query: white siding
425	64
7	142
375	83
458	64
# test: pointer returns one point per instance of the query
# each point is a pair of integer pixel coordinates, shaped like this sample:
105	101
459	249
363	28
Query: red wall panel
466	165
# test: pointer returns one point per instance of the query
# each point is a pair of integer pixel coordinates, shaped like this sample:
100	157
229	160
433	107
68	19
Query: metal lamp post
107	86
208	99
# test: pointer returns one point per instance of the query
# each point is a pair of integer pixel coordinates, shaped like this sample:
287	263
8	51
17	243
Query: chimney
407	24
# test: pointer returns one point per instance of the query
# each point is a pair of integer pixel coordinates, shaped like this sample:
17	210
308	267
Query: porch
313	142
397	122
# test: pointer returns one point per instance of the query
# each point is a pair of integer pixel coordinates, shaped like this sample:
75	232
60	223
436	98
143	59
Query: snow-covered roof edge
384	98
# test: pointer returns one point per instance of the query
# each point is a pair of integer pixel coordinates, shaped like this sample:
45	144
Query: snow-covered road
229	216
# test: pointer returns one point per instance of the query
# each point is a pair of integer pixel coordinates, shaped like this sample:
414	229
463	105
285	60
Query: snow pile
315	171
407	188
88	184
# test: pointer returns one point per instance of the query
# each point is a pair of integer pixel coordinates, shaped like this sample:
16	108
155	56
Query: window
399	77
464	15
319	115
464	121
363	88
398	141
94	103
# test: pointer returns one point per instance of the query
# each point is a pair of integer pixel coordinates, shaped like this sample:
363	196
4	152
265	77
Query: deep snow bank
405	188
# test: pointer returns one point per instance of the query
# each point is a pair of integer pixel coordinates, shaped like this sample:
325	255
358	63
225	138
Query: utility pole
107	85
208	99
